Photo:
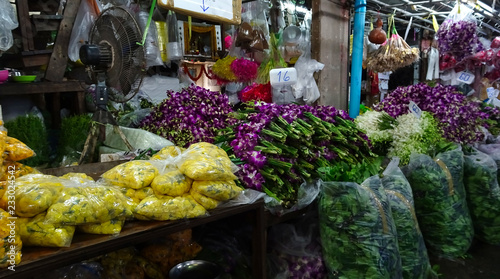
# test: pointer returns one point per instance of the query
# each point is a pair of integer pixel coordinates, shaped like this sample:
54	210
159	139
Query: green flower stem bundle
483	195
440	202
412	249
357	230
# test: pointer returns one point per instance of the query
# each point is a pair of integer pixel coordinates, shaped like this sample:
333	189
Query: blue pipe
357	57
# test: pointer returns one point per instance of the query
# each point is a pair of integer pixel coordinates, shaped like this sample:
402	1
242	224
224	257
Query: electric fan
116	63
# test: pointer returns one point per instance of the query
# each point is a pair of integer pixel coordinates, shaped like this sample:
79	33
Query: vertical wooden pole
330	46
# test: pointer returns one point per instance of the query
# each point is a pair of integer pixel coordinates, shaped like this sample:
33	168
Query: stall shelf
37	260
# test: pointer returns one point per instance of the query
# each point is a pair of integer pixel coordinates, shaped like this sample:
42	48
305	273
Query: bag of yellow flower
206	202
3	136
168	208
17	150
10	241
89	205
134	174
36	232
168	152
34	195
15	169
205	161
81	178
219	190
110	227
172	183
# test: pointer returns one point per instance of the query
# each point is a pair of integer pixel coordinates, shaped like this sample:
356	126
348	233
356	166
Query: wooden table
36	260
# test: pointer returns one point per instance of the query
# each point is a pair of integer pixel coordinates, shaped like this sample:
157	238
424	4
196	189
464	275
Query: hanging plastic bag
412	249
306	86
151	49
8	22
440	204
87	14
174	47
358	234
483	195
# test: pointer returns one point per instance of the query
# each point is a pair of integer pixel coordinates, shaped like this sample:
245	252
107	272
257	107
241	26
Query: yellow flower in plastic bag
133	174
34	199
36	232
10	244
15	169
172	183
3	137
219	190
168	152
168	208
3	188
17	150
205	161
206	202
78	177
143	193
88	205
111	227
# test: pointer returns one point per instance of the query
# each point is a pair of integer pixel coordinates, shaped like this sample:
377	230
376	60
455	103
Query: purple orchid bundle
460	119
192	115
458	38
282	146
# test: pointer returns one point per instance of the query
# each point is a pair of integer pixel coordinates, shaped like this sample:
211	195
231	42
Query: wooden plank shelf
13	88
36	260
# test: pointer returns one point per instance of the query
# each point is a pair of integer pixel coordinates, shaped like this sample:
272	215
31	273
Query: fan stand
99	119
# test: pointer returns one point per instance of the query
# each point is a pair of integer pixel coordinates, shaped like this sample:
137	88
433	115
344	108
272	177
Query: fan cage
118	29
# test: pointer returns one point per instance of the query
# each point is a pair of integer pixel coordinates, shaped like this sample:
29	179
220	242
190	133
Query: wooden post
59	59
330	46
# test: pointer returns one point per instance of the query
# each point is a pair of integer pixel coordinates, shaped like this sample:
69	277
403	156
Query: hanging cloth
433	67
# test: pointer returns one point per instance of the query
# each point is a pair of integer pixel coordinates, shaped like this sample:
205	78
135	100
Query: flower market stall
237	159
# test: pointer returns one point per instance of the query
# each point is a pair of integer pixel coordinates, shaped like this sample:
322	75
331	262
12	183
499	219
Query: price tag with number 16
283	77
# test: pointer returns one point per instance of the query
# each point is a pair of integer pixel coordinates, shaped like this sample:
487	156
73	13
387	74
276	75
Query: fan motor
96	55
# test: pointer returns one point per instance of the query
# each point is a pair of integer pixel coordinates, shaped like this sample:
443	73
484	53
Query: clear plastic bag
483	195
15	169
205	161
151	49
206	202
36	193
218	190
110	227
8	22
76	177
168	152
84	19
172	183
174	47
7	245
134	174
440	204
35	232
358	233
412	249
306	86
297	247
17	150
89	205
308	191
83	270
168	208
